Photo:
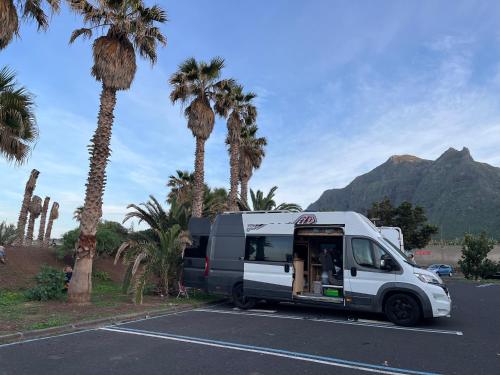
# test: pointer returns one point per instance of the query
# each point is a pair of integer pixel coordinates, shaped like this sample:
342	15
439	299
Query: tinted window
198	248
269	249
367	253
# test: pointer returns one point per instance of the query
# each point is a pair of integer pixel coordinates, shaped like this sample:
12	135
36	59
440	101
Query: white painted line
362	323
484	285
47	337
330	361
263	311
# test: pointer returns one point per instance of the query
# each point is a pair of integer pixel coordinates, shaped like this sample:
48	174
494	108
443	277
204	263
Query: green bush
474	262
101	276
110	235
49	285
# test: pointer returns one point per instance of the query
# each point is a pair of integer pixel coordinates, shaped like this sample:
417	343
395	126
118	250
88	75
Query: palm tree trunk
31	228
43	218
23	214
234	171
80	286
199	174
244	190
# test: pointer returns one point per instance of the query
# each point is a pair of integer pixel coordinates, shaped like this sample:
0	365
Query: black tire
403	310
240	300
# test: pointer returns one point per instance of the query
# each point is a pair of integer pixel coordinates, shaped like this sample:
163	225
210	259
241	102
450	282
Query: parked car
441	269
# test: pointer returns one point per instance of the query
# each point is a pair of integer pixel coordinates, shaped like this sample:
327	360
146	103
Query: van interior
318	260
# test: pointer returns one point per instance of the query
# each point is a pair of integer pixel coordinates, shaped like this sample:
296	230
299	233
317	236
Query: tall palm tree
77	213
18	129
23	214
41	229
196	83
235	105
251	155
129	26
54	215
267	202
33	9
35	211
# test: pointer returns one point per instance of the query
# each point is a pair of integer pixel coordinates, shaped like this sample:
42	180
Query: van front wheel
402	309
240	300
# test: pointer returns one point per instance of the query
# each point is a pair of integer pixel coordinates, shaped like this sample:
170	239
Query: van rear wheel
240	300
402	309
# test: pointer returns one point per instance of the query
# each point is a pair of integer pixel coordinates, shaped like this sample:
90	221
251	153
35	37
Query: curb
19	337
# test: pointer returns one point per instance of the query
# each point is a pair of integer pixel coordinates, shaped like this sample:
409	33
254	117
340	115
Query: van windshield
397	249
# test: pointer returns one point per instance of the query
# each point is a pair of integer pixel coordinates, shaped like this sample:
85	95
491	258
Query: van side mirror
386	263
289	258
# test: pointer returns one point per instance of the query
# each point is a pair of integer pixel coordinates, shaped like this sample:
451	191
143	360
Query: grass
19	314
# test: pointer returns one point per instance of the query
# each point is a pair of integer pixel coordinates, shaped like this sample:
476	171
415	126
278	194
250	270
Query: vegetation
18	129
235	105
412	221
23	214
109	236
28	9
35	209
250	157
49	285
267	202
7	233
195	84
474	262
129	27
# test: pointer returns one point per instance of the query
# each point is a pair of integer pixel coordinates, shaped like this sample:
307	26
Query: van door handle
287	268
354	271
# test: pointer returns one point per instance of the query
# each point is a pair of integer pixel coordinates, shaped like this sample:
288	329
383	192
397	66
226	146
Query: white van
394	235
337	259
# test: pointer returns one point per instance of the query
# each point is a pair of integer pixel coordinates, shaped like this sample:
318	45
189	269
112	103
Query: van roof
283	222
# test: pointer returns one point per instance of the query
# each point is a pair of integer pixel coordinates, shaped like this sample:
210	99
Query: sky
341	85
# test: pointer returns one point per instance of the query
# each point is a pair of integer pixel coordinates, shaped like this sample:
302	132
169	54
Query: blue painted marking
280	351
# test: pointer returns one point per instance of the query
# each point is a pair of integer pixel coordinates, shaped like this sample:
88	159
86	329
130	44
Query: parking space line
331	361
364	323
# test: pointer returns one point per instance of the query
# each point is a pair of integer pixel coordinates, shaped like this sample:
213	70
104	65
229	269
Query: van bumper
440	301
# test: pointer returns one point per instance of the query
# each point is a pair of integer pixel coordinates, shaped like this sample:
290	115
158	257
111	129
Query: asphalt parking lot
285	339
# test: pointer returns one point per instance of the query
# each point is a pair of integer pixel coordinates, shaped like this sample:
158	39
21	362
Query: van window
367	253
268	248
198	249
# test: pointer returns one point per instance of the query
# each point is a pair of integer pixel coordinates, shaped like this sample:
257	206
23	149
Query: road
285	339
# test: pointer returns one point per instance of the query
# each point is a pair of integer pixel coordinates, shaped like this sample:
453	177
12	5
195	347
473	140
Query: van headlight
428	279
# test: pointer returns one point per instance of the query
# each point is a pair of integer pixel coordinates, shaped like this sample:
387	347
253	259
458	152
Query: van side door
268	268
364	274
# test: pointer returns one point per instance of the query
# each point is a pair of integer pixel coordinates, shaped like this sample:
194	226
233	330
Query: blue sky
342	86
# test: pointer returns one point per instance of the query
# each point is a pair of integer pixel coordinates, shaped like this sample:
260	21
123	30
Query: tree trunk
31	228
23	214
199	185
48	232
234	164
43	218
244	190
80	286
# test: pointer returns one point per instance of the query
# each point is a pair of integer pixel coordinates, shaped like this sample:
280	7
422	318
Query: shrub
101	276
49	285
474	262
7	233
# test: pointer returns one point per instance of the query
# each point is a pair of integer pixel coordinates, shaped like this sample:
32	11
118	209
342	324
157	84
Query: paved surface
284	340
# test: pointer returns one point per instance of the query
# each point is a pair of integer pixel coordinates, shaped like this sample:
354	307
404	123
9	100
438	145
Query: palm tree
235	105
77	214
18	130
215	202
23	215
41	229
54	215
29	9
267	202
159	259
196	82
130	27
35	211
181	187
251	155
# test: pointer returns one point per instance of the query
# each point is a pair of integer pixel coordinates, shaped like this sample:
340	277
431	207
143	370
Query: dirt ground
23	263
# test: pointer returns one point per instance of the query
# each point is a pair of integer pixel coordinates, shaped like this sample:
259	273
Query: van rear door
195	255
268	269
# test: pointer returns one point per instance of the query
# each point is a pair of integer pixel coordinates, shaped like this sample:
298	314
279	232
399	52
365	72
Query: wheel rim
239	295
402	309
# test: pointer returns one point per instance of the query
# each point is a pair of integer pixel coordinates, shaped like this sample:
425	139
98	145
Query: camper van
335	259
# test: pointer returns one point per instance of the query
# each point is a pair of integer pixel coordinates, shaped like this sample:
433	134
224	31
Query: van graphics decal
306	219
251	227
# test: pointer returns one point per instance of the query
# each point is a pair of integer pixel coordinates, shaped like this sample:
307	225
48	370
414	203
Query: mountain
458	193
